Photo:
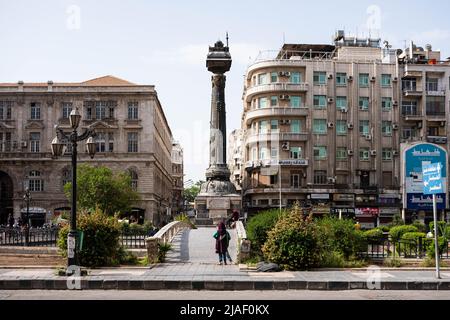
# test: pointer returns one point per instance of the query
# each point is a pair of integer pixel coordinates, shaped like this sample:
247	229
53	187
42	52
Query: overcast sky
165	43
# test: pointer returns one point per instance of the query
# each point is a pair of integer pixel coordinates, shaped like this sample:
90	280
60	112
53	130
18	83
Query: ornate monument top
219	58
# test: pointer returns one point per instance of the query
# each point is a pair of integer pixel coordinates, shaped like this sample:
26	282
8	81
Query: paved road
224	295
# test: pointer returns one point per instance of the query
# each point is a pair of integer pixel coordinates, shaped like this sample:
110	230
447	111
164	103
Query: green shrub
385	228
393	262
374	235
421	227
184	217
293	243
410	242
163	249
332	259
258	226
101	245
397	232
397	220
442	225
340	235
442	246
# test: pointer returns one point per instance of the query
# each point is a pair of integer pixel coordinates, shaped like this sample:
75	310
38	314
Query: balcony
278	111
412	91
437	139
256	164
275	87
276	136
412	116
436	91
434	115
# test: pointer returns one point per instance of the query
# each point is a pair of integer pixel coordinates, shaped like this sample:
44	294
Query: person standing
223	238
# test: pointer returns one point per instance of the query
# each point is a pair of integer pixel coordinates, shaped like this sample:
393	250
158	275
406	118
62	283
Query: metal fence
416	249
47	237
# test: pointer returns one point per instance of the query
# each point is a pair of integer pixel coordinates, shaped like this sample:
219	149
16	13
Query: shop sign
323	196
321	209
389	212
419	201
343	197
343	210
367	225
366	211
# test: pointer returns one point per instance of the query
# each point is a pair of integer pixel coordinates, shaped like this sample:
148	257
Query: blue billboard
414	158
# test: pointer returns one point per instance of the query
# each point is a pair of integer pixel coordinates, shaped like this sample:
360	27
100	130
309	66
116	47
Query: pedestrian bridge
198	246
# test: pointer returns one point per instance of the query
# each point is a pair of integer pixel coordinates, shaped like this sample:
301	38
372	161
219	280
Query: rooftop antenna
227	38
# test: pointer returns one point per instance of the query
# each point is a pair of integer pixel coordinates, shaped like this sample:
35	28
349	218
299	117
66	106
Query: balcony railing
275	111
275	87
433	90
274	136
272	162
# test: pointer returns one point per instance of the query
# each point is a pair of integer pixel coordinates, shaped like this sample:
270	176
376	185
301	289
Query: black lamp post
27	199
57	150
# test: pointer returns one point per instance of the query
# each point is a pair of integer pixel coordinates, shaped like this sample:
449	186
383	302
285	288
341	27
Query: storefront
367	217
343	205
320	203
36	216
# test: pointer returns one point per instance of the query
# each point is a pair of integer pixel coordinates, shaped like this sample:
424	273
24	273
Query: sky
165	43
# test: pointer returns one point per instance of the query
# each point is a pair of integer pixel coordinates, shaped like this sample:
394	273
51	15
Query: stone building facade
178	178
133	135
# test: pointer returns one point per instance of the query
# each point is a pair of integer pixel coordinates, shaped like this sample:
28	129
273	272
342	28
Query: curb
60	283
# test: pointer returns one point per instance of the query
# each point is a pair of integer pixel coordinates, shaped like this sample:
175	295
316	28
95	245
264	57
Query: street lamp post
27	199
57	150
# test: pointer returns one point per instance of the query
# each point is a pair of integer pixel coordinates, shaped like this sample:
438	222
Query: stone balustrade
165	235
243	245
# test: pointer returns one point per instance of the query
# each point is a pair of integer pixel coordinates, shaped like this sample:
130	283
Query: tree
191	193
100	187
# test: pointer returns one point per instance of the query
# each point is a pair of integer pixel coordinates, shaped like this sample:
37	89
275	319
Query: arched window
134	179
66	176
35	182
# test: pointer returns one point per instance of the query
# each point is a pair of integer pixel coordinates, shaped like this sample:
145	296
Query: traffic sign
432	178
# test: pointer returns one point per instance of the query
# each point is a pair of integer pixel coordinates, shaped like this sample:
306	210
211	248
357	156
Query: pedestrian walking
223	238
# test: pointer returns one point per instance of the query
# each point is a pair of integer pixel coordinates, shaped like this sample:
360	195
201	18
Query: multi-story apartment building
235	157
321	126
132	134
177	176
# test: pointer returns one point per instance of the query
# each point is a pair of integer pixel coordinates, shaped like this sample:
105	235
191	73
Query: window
385	80
363	79
320	177
295	101
320	102
386	103
386	154
435	106
100	110
364	154
263	126
409	84
133	113
320	77
295	126
341	127
262	103
35	140
386	128
364	103
341	153
262	78
274	152
103	109
35	111
263	153
104	142
341	79
134	179
5	141
363	127
5	110
341	103
273	77
295	77
273	125
295	153
273	101
66	109
432	84
408	133
320	126
273	180
320	152
254	153
66	176
295	180
35	182
132	142
409	108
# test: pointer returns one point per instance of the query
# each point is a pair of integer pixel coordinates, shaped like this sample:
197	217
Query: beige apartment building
321	127
132	135
178	178
234	160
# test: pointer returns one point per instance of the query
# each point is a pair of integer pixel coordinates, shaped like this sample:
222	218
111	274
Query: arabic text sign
432	178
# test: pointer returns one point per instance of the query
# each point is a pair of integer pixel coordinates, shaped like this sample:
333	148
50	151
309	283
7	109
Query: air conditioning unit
395	103
373	152
395	79
24	144
287	121
331	180
395	153
350	78
368	137
330	100
350	125
395	126
287	73
350	152
284	97
372	79
330	76
344	110
330	124
419	125
285	146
